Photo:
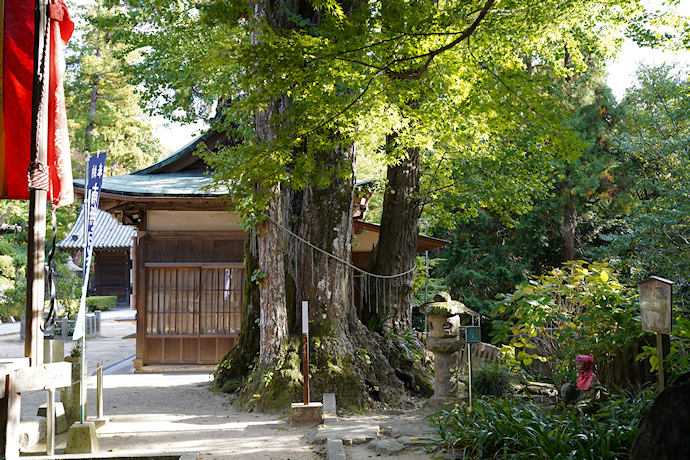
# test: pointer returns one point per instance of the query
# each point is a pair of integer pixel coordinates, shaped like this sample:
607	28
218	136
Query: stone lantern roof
444	305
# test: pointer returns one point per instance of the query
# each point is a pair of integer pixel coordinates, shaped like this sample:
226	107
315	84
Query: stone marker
335	450
306	414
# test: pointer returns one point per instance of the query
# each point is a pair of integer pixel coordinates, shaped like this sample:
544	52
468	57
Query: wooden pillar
35	278
140	288
35	271
10	410
133	275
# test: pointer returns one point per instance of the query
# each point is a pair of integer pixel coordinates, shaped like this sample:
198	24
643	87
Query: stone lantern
445	341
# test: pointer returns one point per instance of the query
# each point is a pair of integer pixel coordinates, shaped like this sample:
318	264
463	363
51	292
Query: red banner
17	55
61	187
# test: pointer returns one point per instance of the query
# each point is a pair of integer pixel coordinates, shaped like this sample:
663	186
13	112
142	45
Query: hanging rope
333	256
49	322
38	177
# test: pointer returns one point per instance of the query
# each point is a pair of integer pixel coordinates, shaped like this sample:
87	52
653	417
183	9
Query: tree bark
569	228
389	301
325	221
237	363
345	358
271	279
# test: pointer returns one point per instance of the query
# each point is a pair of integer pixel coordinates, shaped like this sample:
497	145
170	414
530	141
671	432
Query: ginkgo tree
306	85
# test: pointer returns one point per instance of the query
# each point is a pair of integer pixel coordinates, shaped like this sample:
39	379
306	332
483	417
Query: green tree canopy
104	110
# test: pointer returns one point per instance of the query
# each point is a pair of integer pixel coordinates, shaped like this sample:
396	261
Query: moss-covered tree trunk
345	357
271	279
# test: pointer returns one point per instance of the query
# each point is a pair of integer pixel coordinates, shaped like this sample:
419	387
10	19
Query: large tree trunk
325	221
388	301
271	279
346	358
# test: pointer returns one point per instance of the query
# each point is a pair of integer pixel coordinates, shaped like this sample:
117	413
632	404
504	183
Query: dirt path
176	412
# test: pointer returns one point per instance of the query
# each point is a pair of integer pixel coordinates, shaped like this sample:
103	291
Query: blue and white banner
92	194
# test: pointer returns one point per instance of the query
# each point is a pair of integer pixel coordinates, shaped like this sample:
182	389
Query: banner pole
93	181
85	280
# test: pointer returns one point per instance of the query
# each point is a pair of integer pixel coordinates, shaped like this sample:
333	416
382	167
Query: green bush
7	248
8	309
101	302
512	428
7	269
492	379
578	309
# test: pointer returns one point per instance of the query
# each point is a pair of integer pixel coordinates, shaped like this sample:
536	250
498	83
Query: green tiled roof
179	175
177	184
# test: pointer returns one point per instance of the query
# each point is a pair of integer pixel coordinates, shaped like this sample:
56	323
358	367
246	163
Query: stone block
348	433
31	431
81	439
60	419
306	414
329	406
386	446
335	450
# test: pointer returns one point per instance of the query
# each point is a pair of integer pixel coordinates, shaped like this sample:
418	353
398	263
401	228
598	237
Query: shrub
491	379
7	269
101	302
6	247
579	309
8	309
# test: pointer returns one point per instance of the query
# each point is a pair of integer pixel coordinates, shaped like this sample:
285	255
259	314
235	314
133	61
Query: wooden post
35	279
140	289
663	348
469	374
305	339
99	391
10	410
35	276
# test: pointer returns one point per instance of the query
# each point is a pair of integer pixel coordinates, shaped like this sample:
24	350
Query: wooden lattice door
193	313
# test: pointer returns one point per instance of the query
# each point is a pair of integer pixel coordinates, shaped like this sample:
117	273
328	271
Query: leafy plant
491	379
257	276
511	428
678	359
9	309
578	309
76	350
101	302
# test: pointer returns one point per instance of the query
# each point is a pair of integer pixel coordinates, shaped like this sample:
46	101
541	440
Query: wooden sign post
305	339
656	305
